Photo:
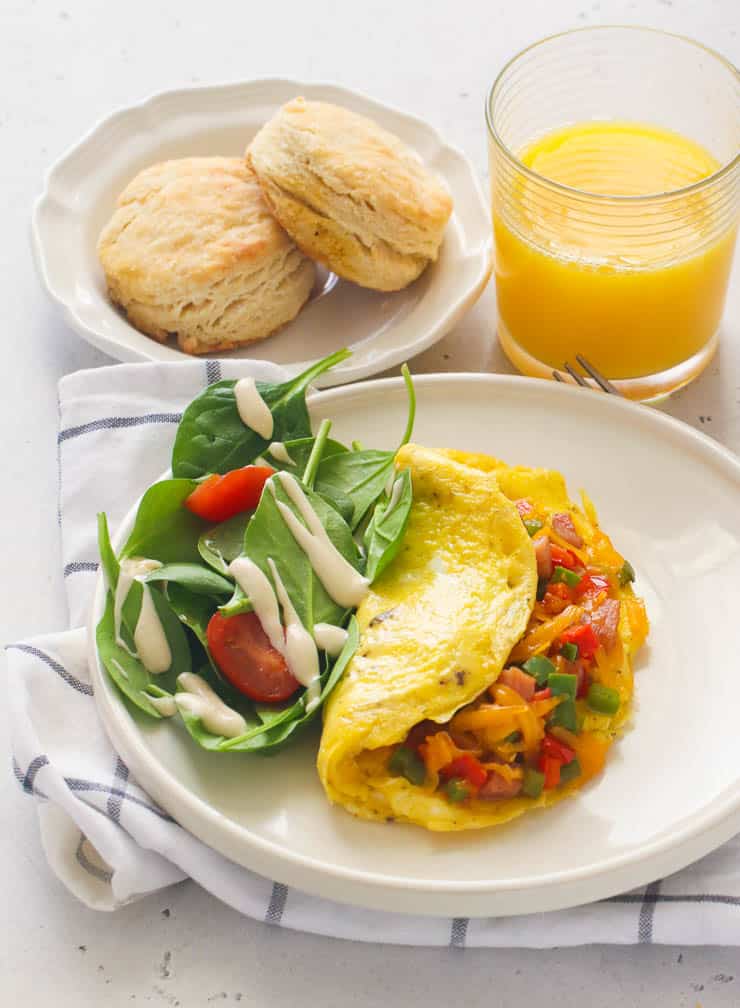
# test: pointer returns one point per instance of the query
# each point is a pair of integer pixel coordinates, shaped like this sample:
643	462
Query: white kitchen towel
110	843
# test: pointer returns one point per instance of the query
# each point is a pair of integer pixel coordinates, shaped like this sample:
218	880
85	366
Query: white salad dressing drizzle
197	698
293	641
278	451
257	587
300	652
252	408
150	640
330	638
342	582
395	495
164	704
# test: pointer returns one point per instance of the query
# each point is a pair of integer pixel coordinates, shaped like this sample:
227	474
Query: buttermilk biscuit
193	250
351	195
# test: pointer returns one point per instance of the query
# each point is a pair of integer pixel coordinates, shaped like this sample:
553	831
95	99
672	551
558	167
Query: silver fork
604	384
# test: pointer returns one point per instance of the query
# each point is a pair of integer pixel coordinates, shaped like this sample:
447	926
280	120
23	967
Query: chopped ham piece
523	507
497	787
562	523
543	555
577	669
605	621
519	681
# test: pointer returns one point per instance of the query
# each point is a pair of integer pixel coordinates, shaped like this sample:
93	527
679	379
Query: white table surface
64	65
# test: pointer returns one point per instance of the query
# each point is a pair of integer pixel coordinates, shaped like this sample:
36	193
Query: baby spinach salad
232	603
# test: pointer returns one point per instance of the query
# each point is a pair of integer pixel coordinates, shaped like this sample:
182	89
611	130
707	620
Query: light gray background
63	65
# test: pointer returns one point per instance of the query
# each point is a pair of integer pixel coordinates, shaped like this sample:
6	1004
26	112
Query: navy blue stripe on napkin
71	680
112	423
78	566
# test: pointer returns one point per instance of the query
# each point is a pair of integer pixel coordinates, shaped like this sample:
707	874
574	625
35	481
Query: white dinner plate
382	329
670	499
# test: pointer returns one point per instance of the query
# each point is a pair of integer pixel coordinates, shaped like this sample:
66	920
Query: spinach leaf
360	476
267	535
363	475
300	451
127	672
199	579
125	669
107	556
387	527
211	437
164	529
219	545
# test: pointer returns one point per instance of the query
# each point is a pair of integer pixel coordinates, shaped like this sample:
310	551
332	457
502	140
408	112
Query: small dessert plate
382	329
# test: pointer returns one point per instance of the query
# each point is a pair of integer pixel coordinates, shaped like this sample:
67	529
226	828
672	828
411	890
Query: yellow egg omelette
494	668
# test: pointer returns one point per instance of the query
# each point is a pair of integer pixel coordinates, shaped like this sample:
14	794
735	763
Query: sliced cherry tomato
584	635
558	750
564	558
243	652
592	584
550	767
468	767
220	497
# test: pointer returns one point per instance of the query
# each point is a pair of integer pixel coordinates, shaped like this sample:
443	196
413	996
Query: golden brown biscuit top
352	154
197	217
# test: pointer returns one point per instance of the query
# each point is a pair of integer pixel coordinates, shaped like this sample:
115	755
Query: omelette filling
550	717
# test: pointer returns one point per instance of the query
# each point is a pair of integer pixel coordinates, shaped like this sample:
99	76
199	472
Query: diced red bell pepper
592	584
467	767
550	767
564	558
543	694
557	749
584	636
557	597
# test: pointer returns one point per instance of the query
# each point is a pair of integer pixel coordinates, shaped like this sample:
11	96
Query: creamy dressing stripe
252	408
150	641
330	638
278	451
196	697
301	653
340	579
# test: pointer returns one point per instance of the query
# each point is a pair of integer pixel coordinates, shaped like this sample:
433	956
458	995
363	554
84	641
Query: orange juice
636	287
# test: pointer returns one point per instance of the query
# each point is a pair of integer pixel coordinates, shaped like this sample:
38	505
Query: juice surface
635	288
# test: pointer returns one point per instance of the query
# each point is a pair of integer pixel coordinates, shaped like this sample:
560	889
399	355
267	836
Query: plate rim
49	199
436	897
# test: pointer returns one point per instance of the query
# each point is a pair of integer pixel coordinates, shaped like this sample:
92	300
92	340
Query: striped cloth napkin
110	843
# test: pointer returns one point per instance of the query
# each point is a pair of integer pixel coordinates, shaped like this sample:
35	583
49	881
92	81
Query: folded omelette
494	668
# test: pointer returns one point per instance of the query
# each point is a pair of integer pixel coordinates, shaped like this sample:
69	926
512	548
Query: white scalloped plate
382	329
670	498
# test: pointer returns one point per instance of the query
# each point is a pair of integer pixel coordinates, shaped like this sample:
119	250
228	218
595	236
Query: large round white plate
670	499
382	329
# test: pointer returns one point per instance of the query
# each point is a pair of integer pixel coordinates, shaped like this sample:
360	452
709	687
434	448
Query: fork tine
557	376
579	379
600	380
